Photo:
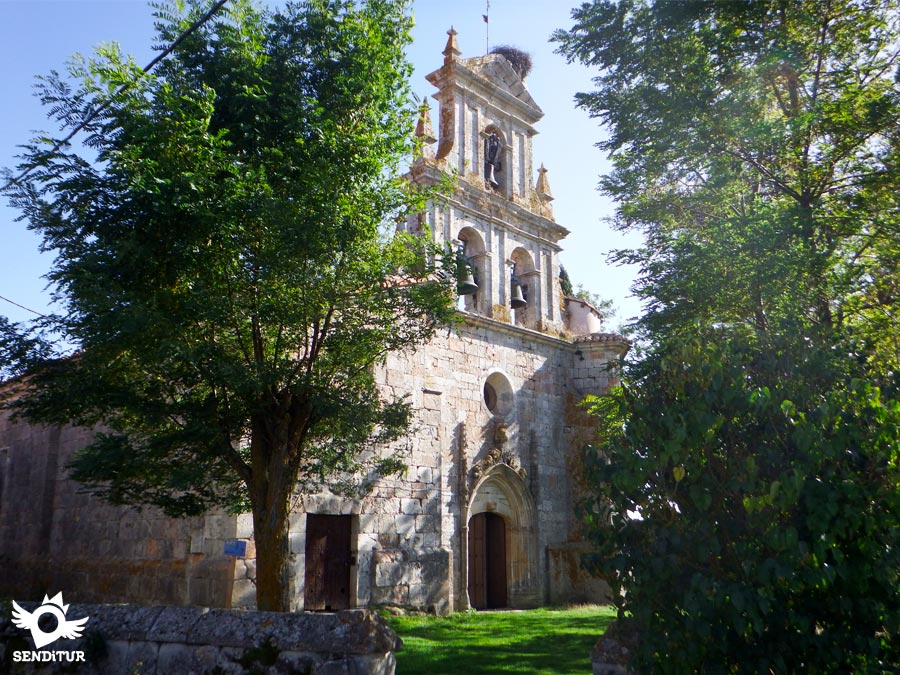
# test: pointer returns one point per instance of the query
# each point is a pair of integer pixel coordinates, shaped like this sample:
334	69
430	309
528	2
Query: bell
465	282
517	301
491	179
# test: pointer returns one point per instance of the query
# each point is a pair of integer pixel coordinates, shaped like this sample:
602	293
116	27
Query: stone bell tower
501	390
500	214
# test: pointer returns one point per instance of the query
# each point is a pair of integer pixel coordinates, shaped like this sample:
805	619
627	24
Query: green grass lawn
546	641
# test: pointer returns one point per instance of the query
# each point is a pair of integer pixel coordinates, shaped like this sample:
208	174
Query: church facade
485	515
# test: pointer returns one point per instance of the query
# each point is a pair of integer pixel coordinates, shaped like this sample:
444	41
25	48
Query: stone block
243	526
430	540
219	527
410	506
367	542
421	595
174	657
298	662
389	574
116	659
121	622
200	592
388	540
172	624
413	541
432	506
297	542
368	523
404	524
243	593
390	595
141	658
375	664
412	574
429	523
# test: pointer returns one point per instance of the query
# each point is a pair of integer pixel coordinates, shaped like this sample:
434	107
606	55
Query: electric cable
159	57
27	309
168	50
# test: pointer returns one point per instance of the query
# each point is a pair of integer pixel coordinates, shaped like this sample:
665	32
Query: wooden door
328	561
487	561
495	563
477	568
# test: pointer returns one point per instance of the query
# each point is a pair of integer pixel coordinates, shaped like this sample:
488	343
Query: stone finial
451	51
424	130
543	186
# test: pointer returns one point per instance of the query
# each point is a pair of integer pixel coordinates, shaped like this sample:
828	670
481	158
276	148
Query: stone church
485	515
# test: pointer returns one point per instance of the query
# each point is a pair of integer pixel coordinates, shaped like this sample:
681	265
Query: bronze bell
517	301
465	282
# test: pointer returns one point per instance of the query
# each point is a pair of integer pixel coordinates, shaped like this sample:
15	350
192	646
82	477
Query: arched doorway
500	563
487	561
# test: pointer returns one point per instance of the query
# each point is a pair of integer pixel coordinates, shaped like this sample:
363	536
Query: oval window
498	394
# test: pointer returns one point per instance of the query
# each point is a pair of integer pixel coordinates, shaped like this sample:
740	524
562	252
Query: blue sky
37	36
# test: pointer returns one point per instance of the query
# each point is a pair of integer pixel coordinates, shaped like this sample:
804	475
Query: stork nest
520	60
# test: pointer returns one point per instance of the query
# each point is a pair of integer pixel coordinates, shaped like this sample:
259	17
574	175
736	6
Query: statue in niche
500	436
493	155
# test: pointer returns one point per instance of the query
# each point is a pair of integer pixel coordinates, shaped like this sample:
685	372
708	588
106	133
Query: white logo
64	629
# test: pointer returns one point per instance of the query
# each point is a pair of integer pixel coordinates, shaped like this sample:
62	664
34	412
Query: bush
752	517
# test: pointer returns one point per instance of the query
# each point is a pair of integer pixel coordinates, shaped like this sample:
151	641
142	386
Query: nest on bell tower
520	60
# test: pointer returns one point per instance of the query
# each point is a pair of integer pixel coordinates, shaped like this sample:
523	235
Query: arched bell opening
471	274
524	291
501	559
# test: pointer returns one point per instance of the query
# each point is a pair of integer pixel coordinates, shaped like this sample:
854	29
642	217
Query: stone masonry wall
167	640
414	535
54	537
408	536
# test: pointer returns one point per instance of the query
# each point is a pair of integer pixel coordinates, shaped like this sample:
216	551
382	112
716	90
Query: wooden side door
328	562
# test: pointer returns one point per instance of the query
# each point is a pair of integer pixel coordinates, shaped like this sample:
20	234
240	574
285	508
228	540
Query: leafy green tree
225	266
748	468
565	283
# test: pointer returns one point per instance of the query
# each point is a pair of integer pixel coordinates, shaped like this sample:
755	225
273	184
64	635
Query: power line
206	17
27	309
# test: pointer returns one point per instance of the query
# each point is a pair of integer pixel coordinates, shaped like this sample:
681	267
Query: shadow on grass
543	641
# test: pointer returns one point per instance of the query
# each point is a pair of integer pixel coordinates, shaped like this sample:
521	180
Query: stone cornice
464	78
480	321
530	224
541	227
571	344
603	340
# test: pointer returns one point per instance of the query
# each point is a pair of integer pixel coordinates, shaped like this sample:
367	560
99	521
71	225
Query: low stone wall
138	640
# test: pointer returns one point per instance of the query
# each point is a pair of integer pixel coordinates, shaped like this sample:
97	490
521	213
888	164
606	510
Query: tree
747	470
224	264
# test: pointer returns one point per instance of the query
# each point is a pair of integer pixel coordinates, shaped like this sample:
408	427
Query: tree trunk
271	485
274	573
272	481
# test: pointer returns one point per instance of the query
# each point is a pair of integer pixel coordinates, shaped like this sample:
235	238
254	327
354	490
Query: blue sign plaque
236	548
